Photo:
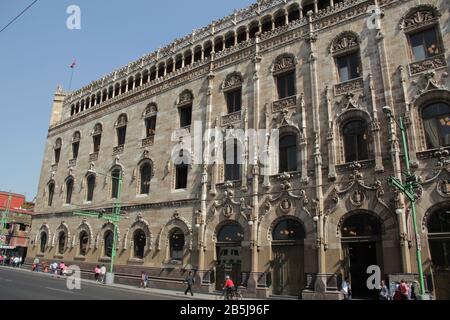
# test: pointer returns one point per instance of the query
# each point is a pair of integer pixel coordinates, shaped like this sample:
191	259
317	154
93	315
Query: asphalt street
19	285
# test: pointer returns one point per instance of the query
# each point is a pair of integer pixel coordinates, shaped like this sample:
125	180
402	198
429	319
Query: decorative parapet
232	118
118	150
72	163
283	104
147	142
428	64
93	157
349	86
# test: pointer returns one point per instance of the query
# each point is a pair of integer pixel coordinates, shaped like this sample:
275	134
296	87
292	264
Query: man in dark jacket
190	282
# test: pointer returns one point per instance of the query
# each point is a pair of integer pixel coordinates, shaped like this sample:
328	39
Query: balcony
284	104
349	86
148	142
427	64
93	157
118	150
232	118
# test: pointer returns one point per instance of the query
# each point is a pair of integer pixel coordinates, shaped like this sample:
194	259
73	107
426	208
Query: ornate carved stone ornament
418	17
98	129
349	86
357	191
286	198
432	63
232	81
346	41
228	203
429	83
150	111
441	175
76	137
284	63
284	104
122	121
58	144
186	97
347	103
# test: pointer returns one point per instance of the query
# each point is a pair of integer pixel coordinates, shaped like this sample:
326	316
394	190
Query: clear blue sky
37	49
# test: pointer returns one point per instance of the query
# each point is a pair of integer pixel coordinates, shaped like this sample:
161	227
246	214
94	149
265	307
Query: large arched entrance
288	255
228	250
439	243
361	245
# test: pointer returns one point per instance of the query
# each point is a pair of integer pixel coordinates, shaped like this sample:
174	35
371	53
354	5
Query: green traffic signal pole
114	218
408	190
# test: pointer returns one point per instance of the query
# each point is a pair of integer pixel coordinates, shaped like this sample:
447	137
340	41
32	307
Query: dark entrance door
361	255
287	263
287	270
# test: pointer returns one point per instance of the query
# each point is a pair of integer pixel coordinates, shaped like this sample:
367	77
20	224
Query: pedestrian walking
20	261
62	266
102	274
346	289
144	280
384	291
97	273
189	282
1	259
35	266
404	290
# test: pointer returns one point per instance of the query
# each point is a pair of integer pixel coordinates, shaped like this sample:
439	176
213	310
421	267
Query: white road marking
59	290
7	280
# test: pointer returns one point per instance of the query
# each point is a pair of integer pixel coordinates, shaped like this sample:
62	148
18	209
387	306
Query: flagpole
71	77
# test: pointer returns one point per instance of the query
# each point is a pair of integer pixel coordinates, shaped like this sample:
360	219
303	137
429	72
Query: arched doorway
140	240
361	245
228	250
288	254
439	243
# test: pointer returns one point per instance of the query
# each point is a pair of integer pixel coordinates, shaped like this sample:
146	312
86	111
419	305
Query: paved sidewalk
169	293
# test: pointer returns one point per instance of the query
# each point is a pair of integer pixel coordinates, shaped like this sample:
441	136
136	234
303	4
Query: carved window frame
139	176
279	68
51	182
97	132
66	182
57	147
232	83
122	122
151	110
345	44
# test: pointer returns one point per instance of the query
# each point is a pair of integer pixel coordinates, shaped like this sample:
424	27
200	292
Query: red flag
74	63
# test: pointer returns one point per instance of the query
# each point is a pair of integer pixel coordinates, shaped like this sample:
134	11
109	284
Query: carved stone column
330	139
375	128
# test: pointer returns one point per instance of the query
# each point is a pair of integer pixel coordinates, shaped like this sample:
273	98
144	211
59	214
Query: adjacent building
294	211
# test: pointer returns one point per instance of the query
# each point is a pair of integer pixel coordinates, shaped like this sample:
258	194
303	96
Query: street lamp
408	190
114	218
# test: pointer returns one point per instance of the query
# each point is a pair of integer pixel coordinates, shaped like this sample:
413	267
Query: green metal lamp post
114	218
407	189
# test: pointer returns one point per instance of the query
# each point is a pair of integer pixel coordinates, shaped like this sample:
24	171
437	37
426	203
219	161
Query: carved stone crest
285	205
284	63
232	81
344	42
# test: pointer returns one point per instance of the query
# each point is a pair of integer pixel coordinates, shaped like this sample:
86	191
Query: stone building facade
319	209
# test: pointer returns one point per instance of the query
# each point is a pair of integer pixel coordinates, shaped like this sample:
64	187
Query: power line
18	16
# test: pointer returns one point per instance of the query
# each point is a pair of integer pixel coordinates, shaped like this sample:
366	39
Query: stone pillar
330	139
395	146
375	128
316	6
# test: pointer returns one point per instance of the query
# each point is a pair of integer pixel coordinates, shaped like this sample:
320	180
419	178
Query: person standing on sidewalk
190	282
97	273
102	274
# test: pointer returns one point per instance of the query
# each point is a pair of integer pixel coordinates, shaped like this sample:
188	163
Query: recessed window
348	66
62	242
140	241
288	154
181	176
51	193
84	242
176	245
115	176
90	187
121	127
233	160
234	100
109	239
185	116
356	138
436	122
424	44
43	242
97	140
150	126
69	190
286	85
146	176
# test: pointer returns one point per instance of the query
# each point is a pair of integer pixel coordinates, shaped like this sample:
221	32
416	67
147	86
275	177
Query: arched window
208	49
436	122
233	160
284	73
439	237
176	243
69	190
149	116
266	24
345	50
146	176
188	58
294	13
97	137
185	108
140	241
181	176
57	149
232	232
232	88
51	193
288	153
254	29
76	144
361	225
115	176
108	239
84	242
43	241
121	127
356	138
280	19
288	230
229	40
242	35
90	187
62	239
